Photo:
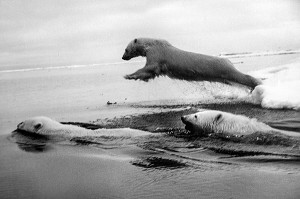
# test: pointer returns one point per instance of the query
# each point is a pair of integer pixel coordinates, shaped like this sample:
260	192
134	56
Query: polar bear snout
183	119
186	119
125	56
188	124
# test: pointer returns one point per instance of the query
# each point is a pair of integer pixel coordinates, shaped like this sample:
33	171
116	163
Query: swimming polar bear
165	59
45	126
210	122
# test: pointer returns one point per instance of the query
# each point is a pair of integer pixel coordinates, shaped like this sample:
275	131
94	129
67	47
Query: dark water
130	172
171	164
163	165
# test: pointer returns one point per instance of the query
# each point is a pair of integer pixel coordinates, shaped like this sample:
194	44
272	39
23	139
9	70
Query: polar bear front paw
141	76
131	77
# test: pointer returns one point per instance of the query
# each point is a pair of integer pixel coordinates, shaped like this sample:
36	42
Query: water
132	168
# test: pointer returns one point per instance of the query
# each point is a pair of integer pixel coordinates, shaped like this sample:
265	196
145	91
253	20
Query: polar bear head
134	49
140	47
38	125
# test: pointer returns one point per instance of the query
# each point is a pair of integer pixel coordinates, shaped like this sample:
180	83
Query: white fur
46	126
163	59
206	121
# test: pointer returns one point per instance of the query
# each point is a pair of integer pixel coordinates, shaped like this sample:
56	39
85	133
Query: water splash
281	87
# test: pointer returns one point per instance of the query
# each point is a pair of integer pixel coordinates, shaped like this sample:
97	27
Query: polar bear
45	126
208	122
167	60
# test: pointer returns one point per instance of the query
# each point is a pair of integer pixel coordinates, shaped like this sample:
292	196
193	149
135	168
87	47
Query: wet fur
167	60
42	125
218	122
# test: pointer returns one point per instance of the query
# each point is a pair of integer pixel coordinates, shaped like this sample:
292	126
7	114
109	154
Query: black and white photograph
140	99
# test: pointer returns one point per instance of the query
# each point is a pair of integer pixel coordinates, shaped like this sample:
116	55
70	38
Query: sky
35	33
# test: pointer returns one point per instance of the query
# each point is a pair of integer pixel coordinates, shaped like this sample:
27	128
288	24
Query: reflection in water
30	142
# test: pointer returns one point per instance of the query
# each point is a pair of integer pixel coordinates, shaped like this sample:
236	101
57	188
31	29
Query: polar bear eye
195	116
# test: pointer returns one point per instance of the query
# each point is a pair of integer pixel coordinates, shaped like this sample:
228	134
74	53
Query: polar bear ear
135	40
218	118
38	126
